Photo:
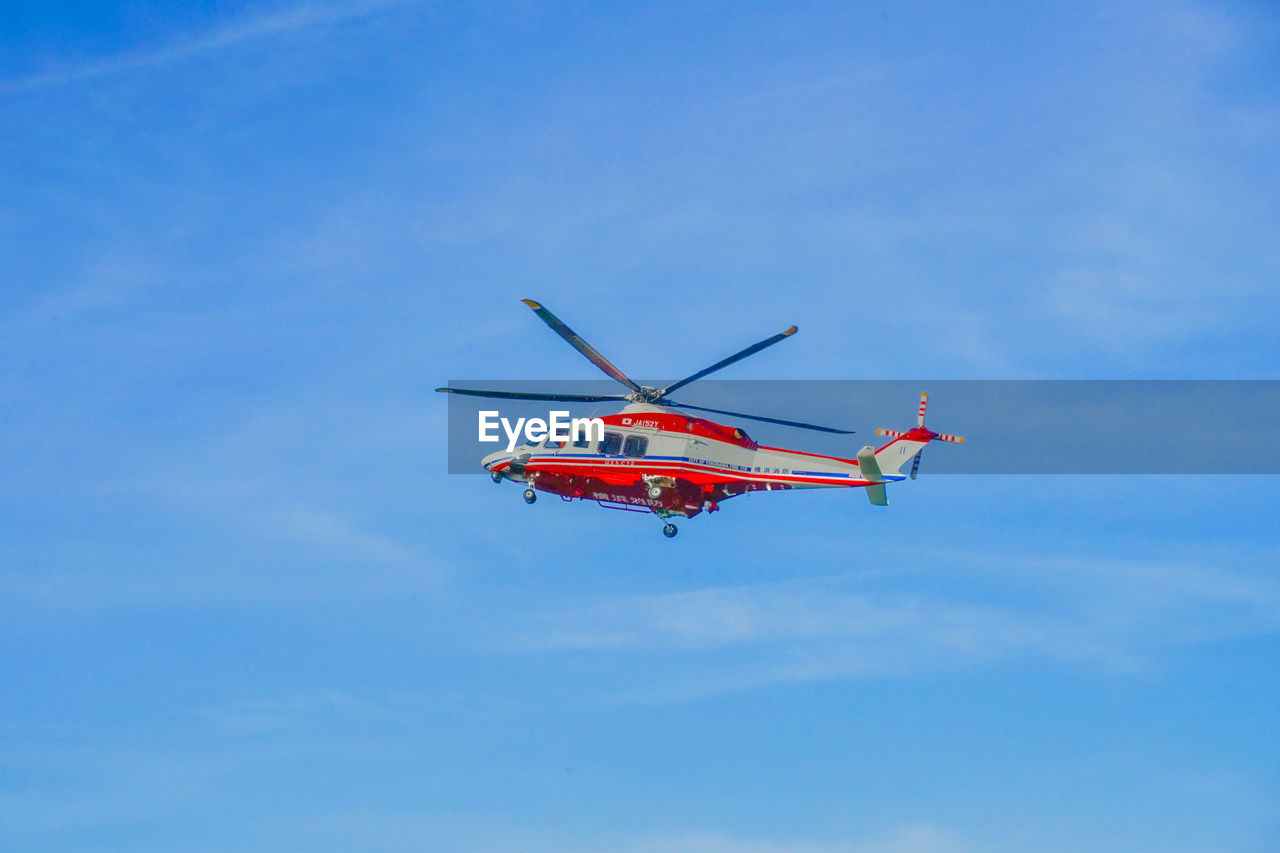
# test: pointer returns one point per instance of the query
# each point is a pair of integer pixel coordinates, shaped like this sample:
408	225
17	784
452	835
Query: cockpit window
583	441
552	444
611	444
636	446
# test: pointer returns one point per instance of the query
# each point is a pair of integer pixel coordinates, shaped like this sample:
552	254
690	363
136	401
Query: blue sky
243	605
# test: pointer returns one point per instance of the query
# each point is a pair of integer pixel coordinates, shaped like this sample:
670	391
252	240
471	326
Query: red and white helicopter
653	458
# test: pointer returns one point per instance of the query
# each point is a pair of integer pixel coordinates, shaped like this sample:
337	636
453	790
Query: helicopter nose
493	459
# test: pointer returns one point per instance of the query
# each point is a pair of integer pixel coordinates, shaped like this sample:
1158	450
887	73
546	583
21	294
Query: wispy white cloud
281	713
326	530
272	529
258	475
1112	613
273	511
1198	32
398	830
914	838
283	22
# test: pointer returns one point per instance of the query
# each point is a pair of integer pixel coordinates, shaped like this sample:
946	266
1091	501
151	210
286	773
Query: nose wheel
530	496
496	476
669	530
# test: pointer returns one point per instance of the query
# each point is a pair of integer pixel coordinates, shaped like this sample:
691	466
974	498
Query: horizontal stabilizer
870	470
868	466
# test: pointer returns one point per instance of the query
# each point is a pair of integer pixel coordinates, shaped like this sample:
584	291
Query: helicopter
656	457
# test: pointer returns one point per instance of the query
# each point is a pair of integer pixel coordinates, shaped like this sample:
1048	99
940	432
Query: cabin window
583	440
637	446
611	444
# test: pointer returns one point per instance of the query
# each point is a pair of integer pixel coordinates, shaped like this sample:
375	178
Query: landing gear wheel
496	475
669	530
655	492
530	496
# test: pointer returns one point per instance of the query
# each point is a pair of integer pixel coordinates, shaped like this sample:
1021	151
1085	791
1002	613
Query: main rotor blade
738	356
575	340
798	424
521	395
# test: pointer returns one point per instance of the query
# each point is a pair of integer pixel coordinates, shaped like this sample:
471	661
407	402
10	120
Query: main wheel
530	496
655	492
669	531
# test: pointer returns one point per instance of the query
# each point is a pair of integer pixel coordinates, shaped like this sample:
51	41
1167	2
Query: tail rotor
921	433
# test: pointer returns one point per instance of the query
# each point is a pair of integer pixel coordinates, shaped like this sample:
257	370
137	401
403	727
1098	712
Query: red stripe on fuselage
704	472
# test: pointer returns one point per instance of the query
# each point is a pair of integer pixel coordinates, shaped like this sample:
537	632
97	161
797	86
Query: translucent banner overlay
1010	426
